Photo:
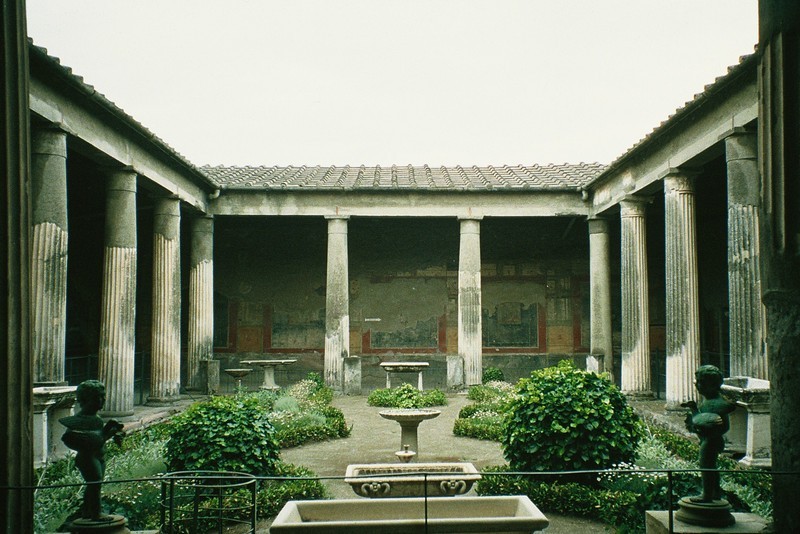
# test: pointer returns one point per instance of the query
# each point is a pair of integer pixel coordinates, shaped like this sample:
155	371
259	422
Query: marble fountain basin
514	514
410	480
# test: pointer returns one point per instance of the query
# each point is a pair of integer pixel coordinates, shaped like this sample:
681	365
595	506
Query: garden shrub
617	508
273	494
488	428
406	396
493	374
223	434
565	419
489	392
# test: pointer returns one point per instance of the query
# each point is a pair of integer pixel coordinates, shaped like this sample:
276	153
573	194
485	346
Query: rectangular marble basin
514	514
407	480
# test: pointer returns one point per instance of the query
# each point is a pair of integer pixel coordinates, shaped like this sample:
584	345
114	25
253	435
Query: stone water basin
407	480
513	514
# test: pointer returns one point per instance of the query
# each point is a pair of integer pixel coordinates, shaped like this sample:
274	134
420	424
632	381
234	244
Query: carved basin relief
411	480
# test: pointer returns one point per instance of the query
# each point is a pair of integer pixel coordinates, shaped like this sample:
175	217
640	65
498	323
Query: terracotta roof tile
407	177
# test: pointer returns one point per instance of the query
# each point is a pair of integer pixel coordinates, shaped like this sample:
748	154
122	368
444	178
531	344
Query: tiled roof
408	177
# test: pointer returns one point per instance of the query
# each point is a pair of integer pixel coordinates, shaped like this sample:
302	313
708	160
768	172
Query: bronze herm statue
87	435
710	422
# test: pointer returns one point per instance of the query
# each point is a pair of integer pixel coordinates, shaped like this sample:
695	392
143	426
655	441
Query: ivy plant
566	419
223	434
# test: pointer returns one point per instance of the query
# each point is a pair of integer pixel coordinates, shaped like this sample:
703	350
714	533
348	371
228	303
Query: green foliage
564	419
316	378
478	428
493	374
223	434
52	507
273	494
613	507
491	392
296	428
406	396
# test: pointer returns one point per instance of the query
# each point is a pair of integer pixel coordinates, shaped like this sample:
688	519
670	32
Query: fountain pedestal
238	374
409	420
269	371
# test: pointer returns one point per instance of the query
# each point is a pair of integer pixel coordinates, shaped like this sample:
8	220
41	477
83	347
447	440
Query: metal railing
202	501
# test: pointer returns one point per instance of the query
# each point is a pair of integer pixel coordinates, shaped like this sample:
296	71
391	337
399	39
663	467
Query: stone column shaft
683	309
635	315
48	255
337	304
470	335
165	363
601	342
201	299
747	313
118	316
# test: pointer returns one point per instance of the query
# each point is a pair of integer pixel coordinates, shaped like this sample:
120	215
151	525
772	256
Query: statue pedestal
750	431
115	525
658	523
705	514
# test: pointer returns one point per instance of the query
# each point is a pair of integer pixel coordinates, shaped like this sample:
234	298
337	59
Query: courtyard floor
374	440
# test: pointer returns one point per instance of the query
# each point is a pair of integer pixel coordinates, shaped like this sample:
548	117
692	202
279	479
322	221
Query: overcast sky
442	82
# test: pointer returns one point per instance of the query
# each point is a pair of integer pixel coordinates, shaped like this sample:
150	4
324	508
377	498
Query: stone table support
165	373
683	309
49	239
601	342
201	299
337	304
747	313
635	315
470	335
118	315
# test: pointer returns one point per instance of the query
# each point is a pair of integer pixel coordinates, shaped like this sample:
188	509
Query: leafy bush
490	392
493	374
617	508
478	428
223	434
273	494
406	396
564	419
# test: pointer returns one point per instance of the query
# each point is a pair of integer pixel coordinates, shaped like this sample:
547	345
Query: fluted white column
635	314
683	308
601	342
48	276
118	319
747	313
201	299
165	363
337	304
470	334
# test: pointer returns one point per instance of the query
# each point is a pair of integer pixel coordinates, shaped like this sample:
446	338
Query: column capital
680	180
597	224
50	140
470	217
634	205
336	217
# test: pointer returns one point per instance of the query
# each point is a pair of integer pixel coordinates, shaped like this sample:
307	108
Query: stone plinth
352	375
657	522
750	430
455	372
49	405
115	525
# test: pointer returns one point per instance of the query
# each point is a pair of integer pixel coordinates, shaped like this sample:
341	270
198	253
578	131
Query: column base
639	395
123	413
162	401
706	514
